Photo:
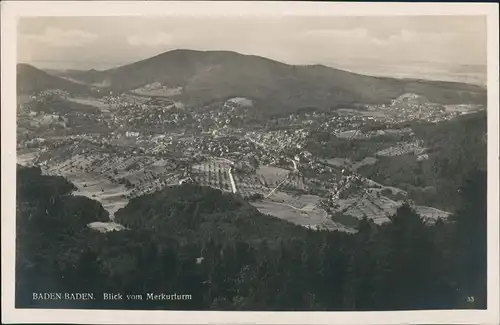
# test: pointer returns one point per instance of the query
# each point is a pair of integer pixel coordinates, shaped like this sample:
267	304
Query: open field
303	210
313	220
105	226
26	157
339	161
305	216
302	202
251	184
111	195
365	161
114	179
272	175
111	180
464	108
90	101
431	213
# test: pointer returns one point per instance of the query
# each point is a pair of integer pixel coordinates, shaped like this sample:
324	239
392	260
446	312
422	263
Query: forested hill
202	214
228	256
205	77
455	148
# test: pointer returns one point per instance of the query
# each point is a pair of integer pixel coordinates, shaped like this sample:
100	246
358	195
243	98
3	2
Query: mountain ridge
208	76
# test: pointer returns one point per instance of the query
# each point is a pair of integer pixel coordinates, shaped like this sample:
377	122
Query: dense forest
216	247
454	148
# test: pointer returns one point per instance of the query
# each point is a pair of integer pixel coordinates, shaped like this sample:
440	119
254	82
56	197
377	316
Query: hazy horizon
45	64
468	73
392	45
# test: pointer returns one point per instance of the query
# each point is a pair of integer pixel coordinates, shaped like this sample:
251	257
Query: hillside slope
208	76
454	147
31	79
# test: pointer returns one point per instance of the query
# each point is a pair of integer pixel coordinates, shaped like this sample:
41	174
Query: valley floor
307	210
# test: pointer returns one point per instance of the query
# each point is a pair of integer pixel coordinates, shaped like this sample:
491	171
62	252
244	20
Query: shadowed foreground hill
196	241
203	213
211	76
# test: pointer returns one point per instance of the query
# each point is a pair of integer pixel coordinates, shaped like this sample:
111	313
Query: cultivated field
213	173
376	208
111	195
114	179
109	179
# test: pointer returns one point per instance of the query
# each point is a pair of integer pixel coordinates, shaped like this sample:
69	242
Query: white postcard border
13	10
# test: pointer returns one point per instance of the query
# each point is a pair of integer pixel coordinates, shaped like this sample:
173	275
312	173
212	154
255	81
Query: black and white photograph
253	163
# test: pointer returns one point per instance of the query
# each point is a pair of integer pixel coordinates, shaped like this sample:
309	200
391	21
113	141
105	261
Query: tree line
227	255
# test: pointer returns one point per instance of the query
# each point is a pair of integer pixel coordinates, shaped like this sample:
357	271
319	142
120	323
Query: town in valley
115	146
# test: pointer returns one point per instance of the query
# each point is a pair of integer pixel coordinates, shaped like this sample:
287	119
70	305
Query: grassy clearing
339	161
431	213
272	175
315	217
303	210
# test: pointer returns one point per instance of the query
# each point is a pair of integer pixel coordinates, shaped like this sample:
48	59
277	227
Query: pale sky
104	42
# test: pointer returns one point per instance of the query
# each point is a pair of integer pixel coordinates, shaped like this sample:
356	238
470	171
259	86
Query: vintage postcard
238	162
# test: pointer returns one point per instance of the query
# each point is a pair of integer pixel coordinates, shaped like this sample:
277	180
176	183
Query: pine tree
470	242
405	271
